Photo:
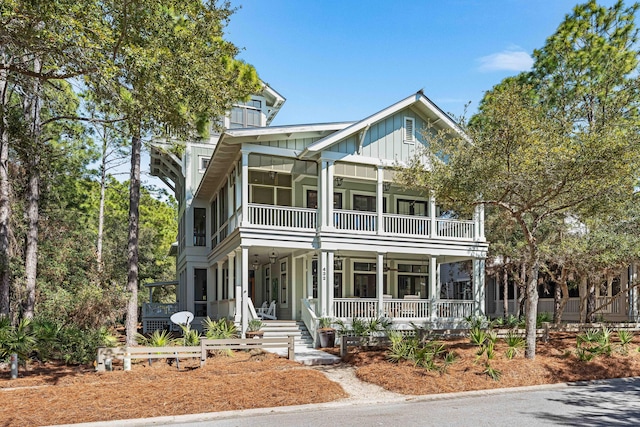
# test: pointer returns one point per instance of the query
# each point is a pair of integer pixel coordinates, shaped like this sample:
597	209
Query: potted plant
326	332
254	328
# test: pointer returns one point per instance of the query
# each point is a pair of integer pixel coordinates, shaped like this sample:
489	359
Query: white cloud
509	60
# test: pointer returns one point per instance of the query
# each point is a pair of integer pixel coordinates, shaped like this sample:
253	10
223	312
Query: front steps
304	351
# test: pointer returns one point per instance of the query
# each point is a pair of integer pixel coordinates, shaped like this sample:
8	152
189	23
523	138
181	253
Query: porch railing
283	217
454	309
407	309
355	307
155	309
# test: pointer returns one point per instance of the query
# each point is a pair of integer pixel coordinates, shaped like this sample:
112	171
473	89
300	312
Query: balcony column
478	287
322	284
244	193
434	278
244	288
433	224
481	221
308	262
328	199
380	281
380	201
322	191
211	289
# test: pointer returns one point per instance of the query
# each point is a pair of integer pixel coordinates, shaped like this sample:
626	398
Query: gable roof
418	100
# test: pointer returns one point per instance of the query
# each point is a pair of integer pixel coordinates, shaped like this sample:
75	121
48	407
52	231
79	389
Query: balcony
304	219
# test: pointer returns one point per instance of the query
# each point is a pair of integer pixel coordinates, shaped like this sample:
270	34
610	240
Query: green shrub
79	346
219	329
156	339
515	343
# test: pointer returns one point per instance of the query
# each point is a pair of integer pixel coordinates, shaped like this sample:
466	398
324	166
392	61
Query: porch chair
263	308
270	313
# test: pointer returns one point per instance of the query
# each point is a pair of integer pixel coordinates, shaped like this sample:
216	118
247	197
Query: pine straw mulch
555	362
55	394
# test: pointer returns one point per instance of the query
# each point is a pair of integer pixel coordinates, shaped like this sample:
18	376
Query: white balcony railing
355	307
407	309
407	225
455	228
356	221
283	217
294	218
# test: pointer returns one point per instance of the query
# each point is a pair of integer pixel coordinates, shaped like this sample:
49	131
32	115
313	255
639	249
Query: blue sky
344	60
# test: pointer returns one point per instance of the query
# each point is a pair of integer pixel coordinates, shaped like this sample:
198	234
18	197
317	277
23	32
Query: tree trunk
522	295
582	291
132	256
557	296
591	302
564	288
5	205
103	186
33	194
532	304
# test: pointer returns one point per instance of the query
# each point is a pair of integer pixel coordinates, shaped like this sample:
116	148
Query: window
312	199
364	284
412	280
460	290
412	207
283	283
267	283
214	223
337	277
203	162
409	130
246	115
199	227
200	291
270	188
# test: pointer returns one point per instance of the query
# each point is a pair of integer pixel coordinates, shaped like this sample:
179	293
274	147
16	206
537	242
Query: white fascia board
287	131
355	158
264	149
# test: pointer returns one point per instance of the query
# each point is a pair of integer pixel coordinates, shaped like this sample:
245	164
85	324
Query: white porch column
322	284
231	281
219	283
293	286
478	287
433	230
328	199
379	202
380	281
322	195
211	289
308	262
244	288
244	193
330	284
434	278
237	283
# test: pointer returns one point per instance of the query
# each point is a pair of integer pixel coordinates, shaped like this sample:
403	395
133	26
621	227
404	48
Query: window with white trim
203	162
409	130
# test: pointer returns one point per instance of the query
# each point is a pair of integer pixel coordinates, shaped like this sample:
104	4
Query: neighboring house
309	216
617	298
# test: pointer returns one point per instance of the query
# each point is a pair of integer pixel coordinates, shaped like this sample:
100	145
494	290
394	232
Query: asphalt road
603	403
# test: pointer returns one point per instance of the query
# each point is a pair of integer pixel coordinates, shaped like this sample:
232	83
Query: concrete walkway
308	356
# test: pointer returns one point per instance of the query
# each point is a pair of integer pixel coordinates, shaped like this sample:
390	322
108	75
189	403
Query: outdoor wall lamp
386	186
337	181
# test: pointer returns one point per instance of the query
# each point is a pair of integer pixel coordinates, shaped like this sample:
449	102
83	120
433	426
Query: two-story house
309	216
